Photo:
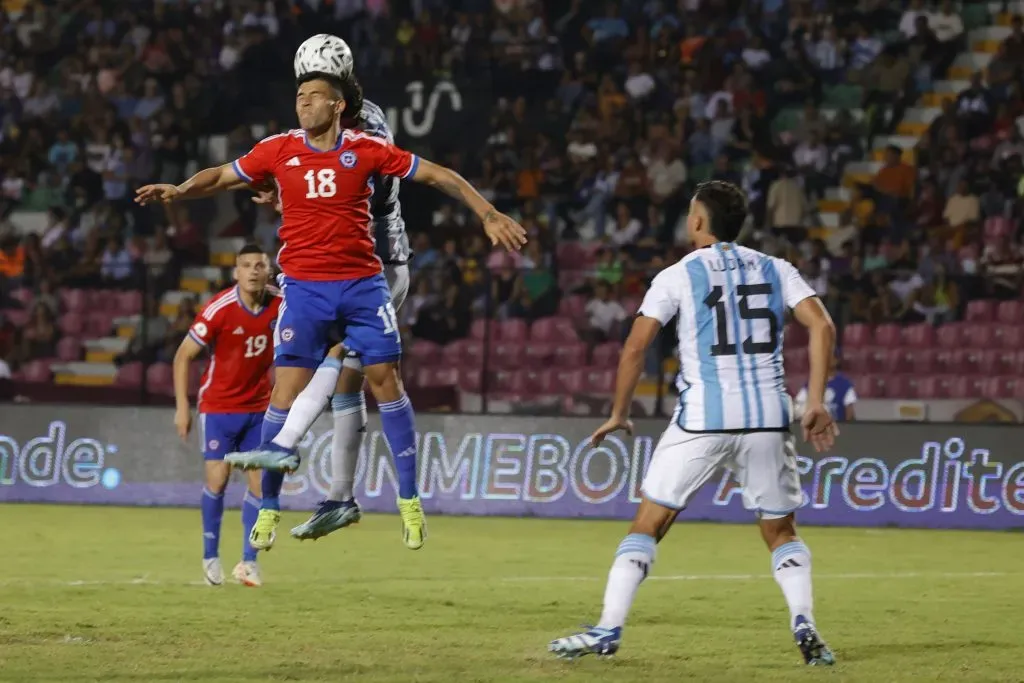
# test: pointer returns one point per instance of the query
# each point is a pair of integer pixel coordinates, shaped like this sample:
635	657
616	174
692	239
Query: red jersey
241	344
326	230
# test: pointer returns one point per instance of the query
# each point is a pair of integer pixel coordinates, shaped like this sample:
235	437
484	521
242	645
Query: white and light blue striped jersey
388	224
731	302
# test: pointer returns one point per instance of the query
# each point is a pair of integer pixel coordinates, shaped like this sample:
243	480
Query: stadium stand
880	147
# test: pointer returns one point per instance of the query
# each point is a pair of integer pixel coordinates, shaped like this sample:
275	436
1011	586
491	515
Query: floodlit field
112	594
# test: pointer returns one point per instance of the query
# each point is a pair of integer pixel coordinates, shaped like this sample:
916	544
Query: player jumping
733	410
324	173
236	327
339	379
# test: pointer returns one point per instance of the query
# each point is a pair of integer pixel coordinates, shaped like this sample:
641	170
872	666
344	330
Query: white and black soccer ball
324	53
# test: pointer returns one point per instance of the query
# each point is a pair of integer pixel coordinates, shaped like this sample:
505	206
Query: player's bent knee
350	381
337	351
777	528
384	381
653	519
288	384
217	474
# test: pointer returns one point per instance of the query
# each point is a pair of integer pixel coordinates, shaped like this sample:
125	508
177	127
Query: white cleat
213	572
248	574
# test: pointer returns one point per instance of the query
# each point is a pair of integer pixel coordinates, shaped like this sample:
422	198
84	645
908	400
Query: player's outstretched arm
817	423
209	181
499	227
187	352
631	366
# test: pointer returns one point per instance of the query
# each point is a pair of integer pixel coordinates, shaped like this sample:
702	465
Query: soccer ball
323	53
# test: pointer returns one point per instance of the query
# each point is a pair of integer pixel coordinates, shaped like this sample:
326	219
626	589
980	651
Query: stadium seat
920	387
951	360
506	382
506	356
632	304
857	361
129	303
571	280
795	335
69	349
454	353
74	300
598	380
129	375
1010	312
571	255
539	354
888	335
893	386
71	323
425	350
23	296
470	379
556	330
919	336
978	336
876	357
856	334
568	381
997	227
18	318
607	355
890	360
795	361
159	376
948	336
538	381
572	306
1009	336
991	361
99	323
478	329
921	361
37	371
794	383
571	355
430	378
980	310
869	386
513	330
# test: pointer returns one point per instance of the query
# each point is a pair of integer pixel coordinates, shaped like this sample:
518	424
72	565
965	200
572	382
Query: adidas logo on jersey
294	161
239	330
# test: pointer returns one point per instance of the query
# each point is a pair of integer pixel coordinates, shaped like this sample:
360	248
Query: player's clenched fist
161	192
504	231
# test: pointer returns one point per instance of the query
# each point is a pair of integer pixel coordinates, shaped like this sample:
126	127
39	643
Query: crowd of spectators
605	116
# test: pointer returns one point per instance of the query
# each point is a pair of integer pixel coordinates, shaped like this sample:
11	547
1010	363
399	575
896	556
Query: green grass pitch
113	594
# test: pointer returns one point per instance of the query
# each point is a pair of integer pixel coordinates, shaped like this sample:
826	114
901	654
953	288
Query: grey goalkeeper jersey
388	224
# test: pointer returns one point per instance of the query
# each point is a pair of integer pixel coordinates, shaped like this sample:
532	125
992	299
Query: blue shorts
224	433
311	310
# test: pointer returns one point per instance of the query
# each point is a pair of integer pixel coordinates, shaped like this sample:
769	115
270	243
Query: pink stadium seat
425	350
869	386
977	387
1018	363
607	355
921	361
129	303
478	329
23	296
74	300
470	379
632	304
894	386
513	330
568	381
948	336
430	378
454	353
18	318
889	335
856	334
980	310
103	299
795	335
571	255
539	354
472	355
951	361
129	375
978	336
922	387
794	383
1010	312
71	323
891	360
572	306
507	355
989	361
796	361
919	336
506	382
556	330
538	381
69	349
997	227
158	377
571	355
99	323
876	357
599	380
37	371
856	361
1010	336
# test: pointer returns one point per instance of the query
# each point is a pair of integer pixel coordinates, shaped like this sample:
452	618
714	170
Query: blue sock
272	481
399	423
212	507
250	511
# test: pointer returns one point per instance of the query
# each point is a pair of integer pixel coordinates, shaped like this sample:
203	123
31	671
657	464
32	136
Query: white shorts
398	282
764	464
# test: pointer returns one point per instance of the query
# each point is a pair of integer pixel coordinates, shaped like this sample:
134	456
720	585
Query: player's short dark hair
251	248
726	206
348	88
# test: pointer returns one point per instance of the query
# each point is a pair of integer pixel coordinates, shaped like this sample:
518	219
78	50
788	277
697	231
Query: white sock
309	404
791	565
349	412
633	560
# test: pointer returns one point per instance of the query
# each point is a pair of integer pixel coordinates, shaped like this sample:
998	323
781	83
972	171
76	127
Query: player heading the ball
330	273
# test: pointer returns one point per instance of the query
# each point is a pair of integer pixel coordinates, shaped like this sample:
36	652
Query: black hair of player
348	88
251	248
726	206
